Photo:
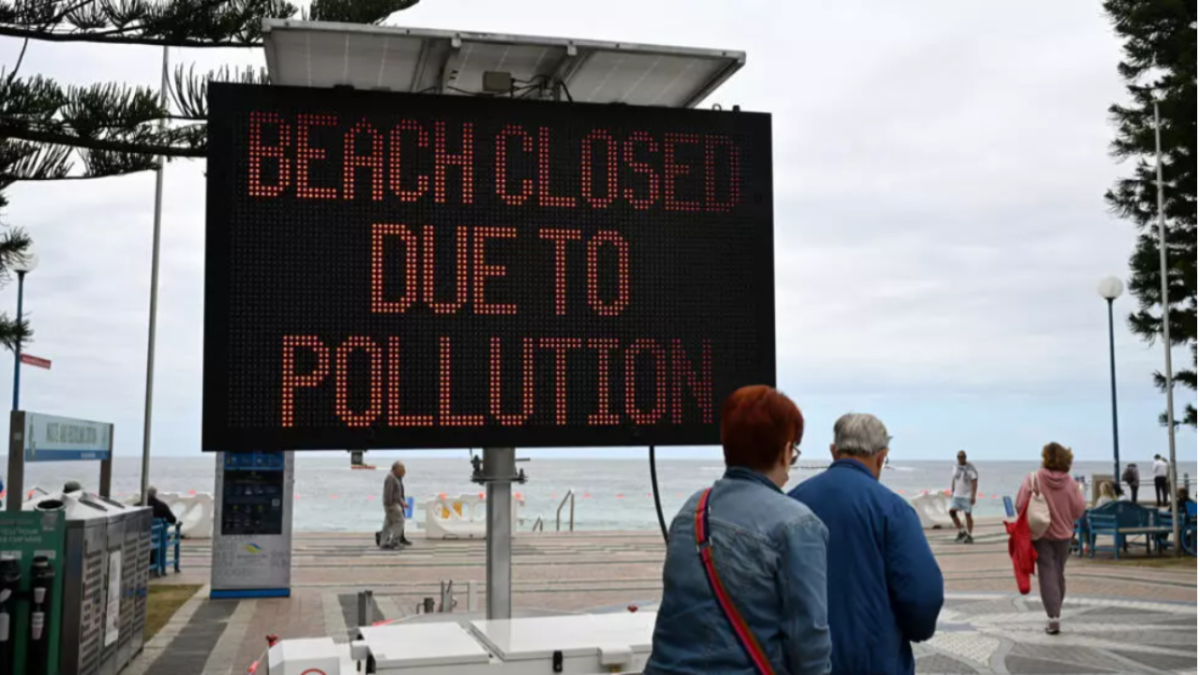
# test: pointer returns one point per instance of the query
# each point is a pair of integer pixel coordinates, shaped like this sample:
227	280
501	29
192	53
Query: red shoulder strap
740	628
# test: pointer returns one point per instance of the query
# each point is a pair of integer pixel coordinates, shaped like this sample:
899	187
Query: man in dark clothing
161	509
1132	477
885	587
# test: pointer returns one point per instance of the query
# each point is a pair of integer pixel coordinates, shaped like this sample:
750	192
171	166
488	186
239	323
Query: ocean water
610	494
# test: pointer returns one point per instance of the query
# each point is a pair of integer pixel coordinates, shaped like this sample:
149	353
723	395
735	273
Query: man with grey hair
160	508
883	579
394	504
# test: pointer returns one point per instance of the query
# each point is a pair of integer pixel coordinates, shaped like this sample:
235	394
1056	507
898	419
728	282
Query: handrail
538	525
558	514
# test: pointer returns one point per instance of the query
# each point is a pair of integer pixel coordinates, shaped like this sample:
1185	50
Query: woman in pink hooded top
1066	503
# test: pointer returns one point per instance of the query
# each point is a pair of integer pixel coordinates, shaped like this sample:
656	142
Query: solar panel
390	58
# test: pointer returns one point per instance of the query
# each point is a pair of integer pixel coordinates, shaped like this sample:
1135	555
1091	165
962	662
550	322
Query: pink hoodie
1063	495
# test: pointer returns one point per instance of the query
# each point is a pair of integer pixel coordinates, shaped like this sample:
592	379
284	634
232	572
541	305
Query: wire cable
662	522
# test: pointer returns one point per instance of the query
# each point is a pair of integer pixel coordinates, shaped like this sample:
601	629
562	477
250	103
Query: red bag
1020	549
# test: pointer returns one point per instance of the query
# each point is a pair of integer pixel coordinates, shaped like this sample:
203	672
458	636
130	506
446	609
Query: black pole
1112	369
662	522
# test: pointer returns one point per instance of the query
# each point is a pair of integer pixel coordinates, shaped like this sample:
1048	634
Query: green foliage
1159	62
51	132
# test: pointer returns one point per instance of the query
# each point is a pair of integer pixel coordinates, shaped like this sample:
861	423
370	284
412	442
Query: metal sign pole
16	461
499	469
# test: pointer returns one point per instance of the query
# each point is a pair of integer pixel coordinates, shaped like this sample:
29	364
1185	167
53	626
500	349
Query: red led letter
484	270
496	389
641	167
306	153
352	161
660	382
448	418
544	196
710	174
380	304
442	159
560	237
610	169
342	374
395	177
502	166
604	416
260	152
462	272
560	347
395	418
618	304
671	170
292	379
701	385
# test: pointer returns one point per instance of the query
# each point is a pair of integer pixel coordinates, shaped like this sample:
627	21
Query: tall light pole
150	340
24	265
1166	324
1110	289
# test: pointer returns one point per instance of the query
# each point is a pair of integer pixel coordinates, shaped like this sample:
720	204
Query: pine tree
1159	63
50	132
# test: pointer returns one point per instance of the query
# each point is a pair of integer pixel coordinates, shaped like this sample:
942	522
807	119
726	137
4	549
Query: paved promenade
1119	617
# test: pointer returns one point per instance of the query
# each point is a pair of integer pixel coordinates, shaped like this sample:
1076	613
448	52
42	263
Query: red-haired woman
744	587
1053	481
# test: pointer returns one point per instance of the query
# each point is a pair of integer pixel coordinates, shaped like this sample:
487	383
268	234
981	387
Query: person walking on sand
394	503
885	586
1054	483
964	486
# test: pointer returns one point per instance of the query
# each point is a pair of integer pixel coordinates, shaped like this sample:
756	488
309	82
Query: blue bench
1122	521
164	546
1187	527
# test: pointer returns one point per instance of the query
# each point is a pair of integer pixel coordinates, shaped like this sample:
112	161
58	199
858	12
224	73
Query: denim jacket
769	551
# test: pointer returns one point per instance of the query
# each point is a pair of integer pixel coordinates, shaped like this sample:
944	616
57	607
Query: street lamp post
1110	289
24	265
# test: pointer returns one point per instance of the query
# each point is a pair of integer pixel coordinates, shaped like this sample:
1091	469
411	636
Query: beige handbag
1038	510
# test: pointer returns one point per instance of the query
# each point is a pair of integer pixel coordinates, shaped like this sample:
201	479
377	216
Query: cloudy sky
940	223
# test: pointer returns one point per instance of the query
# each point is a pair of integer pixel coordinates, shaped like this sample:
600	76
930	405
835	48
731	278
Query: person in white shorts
964	486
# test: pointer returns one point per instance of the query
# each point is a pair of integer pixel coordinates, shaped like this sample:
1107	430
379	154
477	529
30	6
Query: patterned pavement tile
1164	662
1023	665
944	665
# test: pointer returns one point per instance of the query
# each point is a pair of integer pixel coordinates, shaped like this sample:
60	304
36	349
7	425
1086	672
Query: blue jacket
885	587
770	554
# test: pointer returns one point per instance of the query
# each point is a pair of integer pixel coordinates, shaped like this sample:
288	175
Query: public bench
1123	521
164	546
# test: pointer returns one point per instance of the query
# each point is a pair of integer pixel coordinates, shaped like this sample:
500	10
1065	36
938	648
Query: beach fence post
365	615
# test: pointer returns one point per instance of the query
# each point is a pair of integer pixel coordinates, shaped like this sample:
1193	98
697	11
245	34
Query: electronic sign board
389	270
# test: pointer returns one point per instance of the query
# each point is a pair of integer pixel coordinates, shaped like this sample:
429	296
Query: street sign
53	439
36	361
392	270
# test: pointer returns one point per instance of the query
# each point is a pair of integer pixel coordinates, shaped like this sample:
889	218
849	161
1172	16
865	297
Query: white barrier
194	511
462	517
933	509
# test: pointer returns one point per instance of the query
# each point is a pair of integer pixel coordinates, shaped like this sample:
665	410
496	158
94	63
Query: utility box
106	552
31	582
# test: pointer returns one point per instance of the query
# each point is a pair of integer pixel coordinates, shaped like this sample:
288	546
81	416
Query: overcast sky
940	223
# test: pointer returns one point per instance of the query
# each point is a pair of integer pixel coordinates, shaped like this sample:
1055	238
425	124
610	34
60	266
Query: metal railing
538	525
569	497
